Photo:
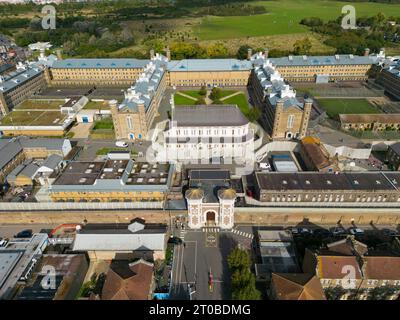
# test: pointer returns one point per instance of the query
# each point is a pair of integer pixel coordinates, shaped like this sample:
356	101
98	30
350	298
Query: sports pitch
334	107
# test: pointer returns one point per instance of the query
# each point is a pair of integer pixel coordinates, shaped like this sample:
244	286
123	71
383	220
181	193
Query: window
129	122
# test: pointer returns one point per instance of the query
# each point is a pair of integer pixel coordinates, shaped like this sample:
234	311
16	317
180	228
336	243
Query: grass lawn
97	105
40	104
193	93
104	151
334	107
225	93
33	118
283	17
241	101
104	124
181	100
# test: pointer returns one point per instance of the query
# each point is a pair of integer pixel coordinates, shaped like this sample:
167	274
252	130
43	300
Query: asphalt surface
203	257
91	146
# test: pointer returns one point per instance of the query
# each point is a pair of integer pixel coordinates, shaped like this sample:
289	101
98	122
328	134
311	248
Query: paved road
204	253
8	231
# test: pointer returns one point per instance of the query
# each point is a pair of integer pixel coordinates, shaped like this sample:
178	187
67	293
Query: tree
242	52
302	46
203	91
243	281
215	93
217	50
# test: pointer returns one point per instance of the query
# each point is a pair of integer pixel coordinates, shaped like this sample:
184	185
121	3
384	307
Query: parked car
356	231
175	240
3	242
337	231
24	234
390	232
121	144
323	233
300	231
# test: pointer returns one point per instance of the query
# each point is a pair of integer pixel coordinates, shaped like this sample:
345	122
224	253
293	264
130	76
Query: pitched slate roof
297	286
128	281
99	64
207	65
209	116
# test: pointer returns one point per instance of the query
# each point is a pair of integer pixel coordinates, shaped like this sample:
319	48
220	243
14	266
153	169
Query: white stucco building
210	199
204	133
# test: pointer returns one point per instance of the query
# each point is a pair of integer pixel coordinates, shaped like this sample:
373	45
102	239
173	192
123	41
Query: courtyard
218	96
334	107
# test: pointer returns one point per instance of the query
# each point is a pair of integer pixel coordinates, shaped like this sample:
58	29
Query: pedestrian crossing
211	229
182	234
243	234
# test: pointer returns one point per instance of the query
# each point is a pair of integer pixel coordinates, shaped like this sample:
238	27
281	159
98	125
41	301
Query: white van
121	144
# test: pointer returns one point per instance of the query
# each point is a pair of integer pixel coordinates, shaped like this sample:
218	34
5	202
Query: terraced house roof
209	65
18	77
274	85
344	59
99	63
145	88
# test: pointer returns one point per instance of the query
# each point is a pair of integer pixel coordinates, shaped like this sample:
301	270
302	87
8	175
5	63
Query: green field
193	93
40	105
33	118
283	17
181	100
241	101
334	107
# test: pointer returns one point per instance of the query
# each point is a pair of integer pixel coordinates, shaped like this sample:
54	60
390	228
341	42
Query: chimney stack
366	52
249	53
266	53
168	52
152	54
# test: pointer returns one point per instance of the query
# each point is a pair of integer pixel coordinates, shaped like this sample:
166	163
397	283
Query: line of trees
243	281
372	32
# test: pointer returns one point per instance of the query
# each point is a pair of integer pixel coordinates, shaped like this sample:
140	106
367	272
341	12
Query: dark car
390	232
24	234
175	240
338	231
322	233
